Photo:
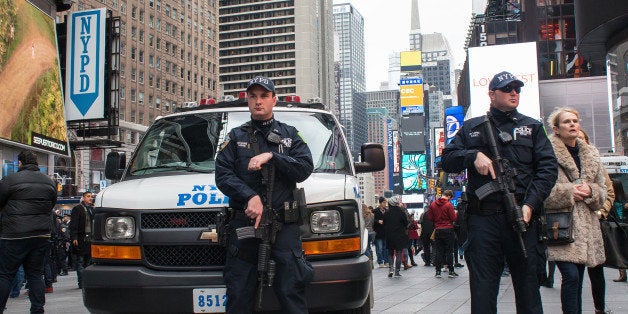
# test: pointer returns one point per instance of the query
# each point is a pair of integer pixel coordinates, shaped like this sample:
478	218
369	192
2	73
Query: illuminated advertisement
411	98
485	62
413	133
85	71
31	101
390	145
413	170
454	118
396	151
410	60
439	136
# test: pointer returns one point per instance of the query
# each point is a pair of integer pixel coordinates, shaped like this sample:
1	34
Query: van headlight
325	221
120	228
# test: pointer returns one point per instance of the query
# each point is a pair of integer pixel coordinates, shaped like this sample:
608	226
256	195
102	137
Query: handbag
559	228
615	243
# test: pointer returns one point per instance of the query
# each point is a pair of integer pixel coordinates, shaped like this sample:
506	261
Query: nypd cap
262	81
502	79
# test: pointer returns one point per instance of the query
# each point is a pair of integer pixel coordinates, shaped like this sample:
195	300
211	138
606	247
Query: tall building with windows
380	127
168	55
349	27
289	41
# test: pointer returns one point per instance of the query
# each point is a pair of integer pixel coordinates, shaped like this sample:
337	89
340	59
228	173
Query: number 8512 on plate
209	300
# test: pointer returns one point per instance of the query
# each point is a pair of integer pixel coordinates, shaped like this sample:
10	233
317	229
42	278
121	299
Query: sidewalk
416	292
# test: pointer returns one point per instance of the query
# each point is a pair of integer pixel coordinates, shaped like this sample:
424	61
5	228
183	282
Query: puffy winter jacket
27	198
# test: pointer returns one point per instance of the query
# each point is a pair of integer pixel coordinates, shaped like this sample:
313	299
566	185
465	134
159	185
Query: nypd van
155	247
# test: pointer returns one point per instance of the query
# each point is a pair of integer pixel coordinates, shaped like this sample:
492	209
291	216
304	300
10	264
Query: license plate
209	300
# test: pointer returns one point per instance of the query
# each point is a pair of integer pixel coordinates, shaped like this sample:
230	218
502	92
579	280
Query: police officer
239	176
524	143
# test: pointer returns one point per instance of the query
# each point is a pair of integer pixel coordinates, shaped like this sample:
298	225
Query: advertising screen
486	61
410	60
413	168
413	133
454	119
31	100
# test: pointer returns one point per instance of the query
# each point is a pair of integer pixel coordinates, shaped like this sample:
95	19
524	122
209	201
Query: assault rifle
503	183
266	231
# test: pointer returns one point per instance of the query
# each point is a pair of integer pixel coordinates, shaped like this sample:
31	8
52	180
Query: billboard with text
518	59
31	99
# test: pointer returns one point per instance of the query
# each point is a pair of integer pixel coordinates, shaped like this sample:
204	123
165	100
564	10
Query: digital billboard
85	90
413	170
410	60
486	61
396	152
31	100
413	133
411	95
439	139
454	119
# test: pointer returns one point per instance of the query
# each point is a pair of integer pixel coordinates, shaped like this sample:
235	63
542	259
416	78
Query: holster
222	226
295	211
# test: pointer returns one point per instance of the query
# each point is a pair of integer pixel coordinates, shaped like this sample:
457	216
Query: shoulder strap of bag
612	217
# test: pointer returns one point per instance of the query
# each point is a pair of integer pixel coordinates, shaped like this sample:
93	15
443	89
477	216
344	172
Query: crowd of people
436	235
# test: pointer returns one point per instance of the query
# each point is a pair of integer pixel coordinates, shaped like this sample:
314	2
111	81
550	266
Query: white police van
154	243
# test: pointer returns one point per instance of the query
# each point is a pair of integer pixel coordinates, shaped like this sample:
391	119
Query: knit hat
394	201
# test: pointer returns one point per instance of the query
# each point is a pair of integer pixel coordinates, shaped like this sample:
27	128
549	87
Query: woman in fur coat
580	186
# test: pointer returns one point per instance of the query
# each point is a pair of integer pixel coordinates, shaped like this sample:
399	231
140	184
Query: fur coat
588	247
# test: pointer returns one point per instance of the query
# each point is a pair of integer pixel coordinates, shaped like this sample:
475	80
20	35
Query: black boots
622	276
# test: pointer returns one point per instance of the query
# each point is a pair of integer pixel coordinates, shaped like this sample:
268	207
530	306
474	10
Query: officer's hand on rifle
484	165
527	213
258	161
254	209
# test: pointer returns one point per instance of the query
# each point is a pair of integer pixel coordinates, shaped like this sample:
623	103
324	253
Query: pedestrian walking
81	223
380	233
491	237
442	213
580	189
396	225
27	198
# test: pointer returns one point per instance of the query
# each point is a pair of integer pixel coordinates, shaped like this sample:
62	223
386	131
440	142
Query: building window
133	95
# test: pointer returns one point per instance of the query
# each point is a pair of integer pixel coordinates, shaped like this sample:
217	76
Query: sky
387	28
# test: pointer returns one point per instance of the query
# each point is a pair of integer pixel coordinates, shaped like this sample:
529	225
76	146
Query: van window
191	142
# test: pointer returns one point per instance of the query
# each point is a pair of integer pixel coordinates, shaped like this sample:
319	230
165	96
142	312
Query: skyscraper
288	41
349	27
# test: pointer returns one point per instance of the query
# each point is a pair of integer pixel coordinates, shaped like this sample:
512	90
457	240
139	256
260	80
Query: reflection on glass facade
618	69
557	51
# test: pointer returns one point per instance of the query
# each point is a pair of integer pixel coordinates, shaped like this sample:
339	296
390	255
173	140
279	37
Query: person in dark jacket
396	227
442	213
380	234
27	198
427	227
523	142
80	235
264	147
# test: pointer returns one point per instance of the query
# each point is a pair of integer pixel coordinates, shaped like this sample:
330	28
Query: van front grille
168	220
175	256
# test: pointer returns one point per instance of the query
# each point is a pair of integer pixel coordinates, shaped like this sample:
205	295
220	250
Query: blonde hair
553	118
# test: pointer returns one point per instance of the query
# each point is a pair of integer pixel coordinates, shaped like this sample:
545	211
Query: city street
417	291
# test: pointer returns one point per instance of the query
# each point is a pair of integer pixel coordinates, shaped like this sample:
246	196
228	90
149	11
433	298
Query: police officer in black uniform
524	143
239	176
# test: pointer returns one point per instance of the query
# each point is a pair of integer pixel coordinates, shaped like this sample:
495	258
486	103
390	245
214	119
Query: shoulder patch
301	136
225	142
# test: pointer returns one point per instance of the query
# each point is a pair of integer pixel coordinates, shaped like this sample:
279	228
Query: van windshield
190	143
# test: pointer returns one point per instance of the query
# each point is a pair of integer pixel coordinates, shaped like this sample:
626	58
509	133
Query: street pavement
417	291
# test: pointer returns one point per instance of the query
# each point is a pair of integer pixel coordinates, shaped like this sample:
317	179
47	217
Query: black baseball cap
262	81
502	79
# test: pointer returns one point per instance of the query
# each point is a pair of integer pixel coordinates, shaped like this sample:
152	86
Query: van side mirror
372	158
114	166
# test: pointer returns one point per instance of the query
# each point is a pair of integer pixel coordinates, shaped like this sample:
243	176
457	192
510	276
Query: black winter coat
396	226
27	198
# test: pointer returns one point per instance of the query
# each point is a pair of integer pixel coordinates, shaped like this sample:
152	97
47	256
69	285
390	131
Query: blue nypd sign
84	93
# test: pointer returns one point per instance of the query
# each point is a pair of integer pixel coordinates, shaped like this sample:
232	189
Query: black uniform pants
490	240
241	276
443	248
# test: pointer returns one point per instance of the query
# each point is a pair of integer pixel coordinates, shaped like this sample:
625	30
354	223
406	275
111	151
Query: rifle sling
268	171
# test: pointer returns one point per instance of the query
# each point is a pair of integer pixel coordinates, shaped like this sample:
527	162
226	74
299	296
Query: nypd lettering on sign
84	92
